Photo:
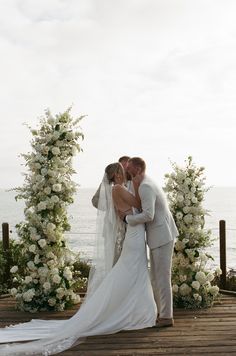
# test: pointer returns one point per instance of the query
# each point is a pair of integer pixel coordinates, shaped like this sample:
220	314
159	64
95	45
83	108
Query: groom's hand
121	214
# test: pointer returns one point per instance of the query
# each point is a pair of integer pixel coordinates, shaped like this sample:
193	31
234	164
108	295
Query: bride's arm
119	193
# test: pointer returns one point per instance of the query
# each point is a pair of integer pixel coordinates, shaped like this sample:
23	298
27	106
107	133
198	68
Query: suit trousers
161	263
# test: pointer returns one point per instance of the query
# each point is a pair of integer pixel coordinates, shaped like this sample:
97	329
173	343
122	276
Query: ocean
220	201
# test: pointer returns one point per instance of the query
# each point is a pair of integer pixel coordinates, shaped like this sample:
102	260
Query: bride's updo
112	169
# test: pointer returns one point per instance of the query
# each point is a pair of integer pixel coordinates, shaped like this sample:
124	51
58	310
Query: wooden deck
201	332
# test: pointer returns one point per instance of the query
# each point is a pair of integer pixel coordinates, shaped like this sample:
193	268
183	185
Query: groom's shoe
164	322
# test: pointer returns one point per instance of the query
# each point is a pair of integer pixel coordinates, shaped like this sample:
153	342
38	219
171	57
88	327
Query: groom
160	233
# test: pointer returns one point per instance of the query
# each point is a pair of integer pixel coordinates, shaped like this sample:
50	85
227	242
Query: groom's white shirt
160	225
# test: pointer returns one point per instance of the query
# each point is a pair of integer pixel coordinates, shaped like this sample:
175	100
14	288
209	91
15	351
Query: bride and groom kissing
129	180
121	295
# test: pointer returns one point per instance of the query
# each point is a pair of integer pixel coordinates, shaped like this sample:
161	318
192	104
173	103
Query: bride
119	294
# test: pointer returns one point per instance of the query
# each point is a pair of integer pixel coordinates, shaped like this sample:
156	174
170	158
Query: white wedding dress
123	301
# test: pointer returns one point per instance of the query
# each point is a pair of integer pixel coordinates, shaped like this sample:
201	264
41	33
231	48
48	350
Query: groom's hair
138	162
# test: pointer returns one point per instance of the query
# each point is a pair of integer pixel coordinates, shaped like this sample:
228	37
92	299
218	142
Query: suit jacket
160	225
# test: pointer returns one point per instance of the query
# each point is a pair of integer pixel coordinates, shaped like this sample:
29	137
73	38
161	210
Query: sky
156	79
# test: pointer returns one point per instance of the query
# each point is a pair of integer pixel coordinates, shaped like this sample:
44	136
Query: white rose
28	279
179	215
47	286
182	278
194	200
180	198
56	279
197	297
42	243
43	271
210	277
55	199
37	259
56	187
42	206
67	274
52	302
14	269
47	190
32	248
51	226
218	271
184	289
214	290
195	285
175	288
13	291
56	151
31	265
201	277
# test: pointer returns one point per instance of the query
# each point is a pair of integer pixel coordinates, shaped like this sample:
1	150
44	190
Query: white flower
31	265
42	271
197	297
179	245
28	279
180	198
50	254
210	277
55	199
44	171
51	226
186	209
60	293
32	248
201	277
195	285
54	270
56	151
179	215
214	290
56	279
47	286
218	271
188	218
47	190
184	289
52	302
42	243
67	274
194	200
182	278
42	206
56	187
175	288
37	259
14	269
13	292
28	296
75	298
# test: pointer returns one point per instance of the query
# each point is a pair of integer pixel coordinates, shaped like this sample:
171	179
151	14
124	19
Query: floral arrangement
192	283
48	279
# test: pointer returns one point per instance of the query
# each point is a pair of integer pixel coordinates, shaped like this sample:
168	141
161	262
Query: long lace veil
105	237
55	336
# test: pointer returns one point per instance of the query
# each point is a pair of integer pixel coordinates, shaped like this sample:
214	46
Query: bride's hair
112	169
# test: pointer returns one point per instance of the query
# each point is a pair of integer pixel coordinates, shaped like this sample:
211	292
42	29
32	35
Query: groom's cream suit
160	234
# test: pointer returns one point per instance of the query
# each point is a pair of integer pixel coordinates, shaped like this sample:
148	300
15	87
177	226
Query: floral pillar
193	285
46	279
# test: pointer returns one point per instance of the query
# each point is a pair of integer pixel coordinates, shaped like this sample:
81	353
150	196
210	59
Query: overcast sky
156	79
